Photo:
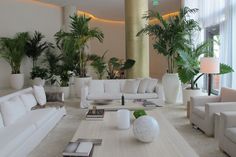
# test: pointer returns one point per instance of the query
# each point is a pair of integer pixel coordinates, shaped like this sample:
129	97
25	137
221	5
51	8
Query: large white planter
66	91
187	93
79	83
38	81
171	86
17	81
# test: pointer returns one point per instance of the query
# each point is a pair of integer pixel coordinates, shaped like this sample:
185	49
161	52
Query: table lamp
209	65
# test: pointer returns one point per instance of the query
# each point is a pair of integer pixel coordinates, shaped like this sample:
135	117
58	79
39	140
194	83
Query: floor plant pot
171	87
38	81
66	91
17	81
188	92
79	83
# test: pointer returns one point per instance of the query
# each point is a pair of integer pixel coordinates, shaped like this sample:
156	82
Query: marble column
137	48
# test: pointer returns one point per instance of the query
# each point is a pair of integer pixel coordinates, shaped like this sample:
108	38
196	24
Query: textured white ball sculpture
146	129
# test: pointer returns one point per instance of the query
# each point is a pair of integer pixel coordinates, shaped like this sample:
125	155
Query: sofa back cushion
228	95
131	86
143	85
112	87
96	86
12	110
40	95
152	83
29	101
1	121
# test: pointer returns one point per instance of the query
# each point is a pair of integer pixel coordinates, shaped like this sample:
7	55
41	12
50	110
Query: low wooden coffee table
121	143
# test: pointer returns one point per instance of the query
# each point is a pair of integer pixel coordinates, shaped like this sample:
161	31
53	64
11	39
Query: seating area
117	78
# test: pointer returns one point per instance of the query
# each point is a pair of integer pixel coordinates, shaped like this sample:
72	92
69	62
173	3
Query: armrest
84	93
212	108
55	96
228	119
159	91
202	100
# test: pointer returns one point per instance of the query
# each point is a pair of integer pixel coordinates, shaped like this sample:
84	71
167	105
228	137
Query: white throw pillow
152	83
96	86
29	101
143	85
112	87
1	122
40	95
131	86
12	110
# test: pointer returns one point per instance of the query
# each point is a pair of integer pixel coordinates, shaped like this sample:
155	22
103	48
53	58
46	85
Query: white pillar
67	12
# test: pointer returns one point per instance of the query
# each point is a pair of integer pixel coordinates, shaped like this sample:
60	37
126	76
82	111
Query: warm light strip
166	16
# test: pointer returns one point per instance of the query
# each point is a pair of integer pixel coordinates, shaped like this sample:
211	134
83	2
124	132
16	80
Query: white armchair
227	133
202	109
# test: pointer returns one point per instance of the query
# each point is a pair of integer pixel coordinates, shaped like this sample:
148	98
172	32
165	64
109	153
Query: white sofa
21	130
202	109
114	89
227	133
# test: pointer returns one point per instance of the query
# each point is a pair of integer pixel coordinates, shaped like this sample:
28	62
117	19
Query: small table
217	125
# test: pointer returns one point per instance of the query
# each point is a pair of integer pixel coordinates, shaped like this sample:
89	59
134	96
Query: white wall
26	15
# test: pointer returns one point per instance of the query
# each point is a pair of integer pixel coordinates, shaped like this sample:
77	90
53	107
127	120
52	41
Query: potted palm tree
171	35
79	35
34	49
13	51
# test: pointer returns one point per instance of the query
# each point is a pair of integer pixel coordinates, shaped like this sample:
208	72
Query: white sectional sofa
146	88
22	129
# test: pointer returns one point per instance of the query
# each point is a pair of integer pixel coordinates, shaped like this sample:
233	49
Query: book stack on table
95	114
78	149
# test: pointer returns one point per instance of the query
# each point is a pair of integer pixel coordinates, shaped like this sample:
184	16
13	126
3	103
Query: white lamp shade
209	65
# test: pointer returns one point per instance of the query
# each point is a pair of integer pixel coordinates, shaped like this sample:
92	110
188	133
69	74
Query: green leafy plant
13	50
78	37
171	35
99	64
64	75
116	67
139	113
39	72
35	46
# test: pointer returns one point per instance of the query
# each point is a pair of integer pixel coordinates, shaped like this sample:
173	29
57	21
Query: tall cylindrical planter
187	93
171	86
66	91
38	81
79	83
17	81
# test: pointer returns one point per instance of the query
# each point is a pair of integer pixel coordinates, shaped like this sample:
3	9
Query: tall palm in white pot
171	35
13	51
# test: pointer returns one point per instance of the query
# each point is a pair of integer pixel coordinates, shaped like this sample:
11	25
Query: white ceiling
114	9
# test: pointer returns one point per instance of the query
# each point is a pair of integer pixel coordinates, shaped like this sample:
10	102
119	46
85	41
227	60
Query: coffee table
121	143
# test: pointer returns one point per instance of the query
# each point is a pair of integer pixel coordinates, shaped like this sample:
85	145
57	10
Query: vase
79	83
17	81
188	93
38	81
171	87
123	119
66	91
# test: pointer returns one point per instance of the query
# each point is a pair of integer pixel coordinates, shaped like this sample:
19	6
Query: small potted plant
39	75
13	51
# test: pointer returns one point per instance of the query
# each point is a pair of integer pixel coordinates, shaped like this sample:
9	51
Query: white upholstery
104	96
112	87
143	85
227	132
28	100
131	86
96	86
1	121
202	109
151	85
141	96
40	95
12	110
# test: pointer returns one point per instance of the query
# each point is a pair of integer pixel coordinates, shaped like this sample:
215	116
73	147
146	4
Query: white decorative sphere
146	129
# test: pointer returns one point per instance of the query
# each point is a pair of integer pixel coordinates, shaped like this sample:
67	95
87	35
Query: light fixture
209	65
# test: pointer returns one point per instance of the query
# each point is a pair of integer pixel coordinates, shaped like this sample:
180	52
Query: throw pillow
29	101
143	85
152	83
40	95
12	110
96	86
1	121
131	86
112	86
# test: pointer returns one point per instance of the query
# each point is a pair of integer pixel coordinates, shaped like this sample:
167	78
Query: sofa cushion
96	86
1	122
230	133
152	83
228	95
200	111
13	136
104	96
40	95
141	96
28	100
143	85
112	86
131	86
12	110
